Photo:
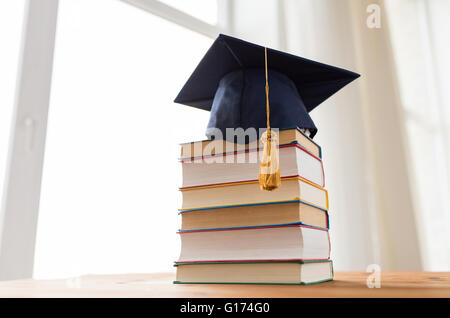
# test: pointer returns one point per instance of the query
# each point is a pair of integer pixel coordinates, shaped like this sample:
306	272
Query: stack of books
233	232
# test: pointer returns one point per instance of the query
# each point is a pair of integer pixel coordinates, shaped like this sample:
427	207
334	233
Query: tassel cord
269	135
269	171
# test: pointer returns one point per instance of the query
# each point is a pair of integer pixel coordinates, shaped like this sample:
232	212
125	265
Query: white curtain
419	36
387	178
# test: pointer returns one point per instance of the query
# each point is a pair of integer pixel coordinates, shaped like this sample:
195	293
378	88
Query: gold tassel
269	170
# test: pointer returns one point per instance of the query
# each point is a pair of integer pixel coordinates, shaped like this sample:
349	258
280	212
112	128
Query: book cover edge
287	128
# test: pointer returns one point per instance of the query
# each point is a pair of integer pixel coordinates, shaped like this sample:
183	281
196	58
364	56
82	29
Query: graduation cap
229	81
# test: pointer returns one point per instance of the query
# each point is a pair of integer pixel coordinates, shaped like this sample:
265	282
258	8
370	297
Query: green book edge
244	283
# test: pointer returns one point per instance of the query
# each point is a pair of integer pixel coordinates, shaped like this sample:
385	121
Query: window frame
22	188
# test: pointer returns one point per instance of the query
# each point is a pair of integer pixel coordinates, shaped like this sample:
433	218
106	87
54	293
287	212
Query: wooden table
346	284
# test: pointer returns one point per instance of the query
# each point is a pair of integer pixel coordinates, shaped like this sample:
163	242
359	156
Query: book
286	136
249	192
287	242
259	214
296	272
244	166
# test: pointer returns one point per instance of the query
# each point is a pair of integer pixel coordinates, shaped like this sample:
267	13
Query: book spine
255	228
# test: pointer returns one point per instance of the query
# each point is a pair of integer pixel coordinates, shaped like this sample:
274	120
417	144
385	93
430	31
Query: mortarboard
229	81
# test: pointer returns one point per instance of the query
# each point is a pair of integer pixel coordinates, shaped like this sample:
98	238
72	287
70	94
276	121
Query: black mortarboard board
229	81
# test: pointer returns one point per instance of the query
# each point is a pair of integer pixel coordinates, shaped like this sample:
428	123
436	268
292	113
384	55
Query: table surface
345	284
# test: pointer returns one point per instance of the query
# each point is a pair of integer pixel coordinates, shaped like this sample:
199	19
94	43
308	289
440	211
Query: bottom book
268	272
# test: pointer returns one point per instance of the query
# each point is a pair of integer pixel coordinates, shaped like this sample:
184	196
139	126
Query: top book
286	136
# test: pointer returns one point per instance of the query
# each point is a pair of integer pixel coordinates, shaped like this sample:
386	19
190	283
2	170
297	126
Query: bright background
11	16
109	195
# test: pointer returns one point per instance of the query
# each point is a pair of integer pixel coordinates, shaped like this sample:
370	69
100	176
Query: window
11	19
205	10
110	183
